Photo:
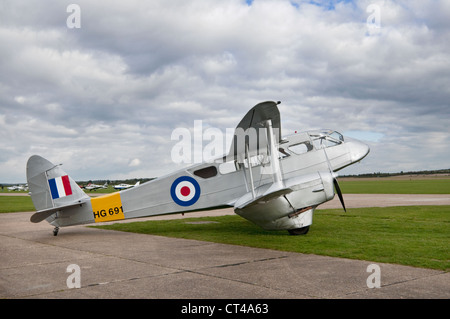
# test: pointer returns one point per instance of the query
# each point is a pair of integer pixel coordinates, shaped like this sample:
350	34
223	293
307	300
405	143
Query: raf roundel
185	191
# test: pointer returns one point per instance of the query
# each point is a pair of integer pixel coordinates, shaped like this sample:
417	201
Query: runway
33	264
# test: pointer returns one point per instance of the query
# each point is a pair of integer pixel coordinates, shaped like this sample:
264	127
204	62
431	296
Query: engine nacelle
290	207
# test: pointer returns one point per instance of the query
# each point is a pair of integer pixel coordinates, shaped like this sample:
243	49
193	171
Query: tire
299	231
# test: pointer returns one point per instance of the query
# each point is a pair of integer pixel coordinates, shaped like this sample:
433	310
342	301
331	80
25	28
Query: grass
415	235
12	204
414	186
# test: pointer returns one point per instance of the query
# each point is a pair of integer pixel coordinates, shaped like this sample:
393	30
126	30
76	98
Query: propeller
335	182
338	191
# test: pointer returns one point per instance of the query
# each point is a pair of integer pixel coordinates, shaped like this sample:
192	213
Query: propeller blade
335	182
338	191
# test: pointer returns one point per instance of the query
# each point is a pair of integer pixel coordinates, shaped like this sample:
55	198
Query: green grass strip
414	235
425	186
13	204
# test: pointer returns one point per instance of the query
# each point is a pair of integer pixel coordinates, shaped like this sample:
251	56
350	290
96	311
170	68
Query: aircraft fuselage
222	184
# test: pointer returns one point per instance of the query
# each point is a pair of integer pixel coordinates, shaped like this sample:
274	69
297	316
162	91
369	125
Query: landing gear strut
55	231
299	231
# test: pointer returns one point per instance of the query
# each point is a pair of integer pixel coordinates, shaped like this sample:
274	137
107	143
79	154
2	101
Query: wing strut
252	185
275	163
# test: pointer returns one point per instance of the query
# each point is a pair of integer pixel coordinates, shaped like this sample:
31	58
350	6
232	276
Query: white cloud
135	162
106	97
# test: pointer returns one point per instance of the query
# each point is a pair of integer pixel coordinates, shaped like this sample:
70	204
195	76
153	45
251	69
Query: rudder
50	187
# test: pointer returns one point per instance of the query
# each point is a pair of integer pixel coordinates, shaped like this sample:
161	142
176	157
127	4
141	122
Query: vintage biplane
273	181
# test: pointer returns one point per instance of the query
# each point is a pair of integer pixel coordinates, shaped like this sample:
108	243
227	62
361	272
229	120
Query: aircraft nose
358	150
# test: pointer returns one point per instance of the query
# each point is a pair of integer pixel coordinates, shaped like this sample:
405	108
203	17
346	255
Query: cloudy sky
101	86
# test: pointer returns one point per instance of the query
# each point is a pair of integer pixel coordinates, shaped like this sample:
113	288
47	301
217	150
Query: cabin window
301	148
228	167
257	160
206	172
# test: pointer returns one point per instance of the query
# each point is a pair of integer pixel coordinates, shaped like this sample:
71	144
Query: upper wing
250	134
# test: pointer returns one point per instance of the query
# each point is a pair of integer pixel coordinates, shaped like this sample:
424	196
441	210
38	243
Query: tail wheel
299	231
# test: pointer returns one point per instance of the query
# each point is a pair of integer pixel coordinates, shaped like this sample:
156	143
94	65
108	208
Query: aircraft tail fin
50	187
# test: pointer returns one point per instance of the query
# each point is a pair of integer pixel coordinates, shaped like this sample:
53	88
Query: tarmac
120	265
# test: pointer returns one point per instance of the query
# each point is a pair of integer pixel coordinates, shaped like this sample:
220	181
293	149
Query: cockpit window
326	138
337	136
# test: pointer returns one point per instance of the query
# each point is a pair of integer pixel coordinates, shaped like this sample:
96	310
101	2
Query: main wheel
55	231
299	231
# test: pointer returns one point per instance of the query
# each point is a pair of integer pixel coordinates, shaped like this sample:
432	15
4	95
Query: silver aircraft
93	187
123	186
275	182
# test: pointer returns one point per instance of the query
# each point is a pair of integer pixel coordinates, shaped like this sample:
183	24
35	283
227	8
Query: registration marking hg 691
107	208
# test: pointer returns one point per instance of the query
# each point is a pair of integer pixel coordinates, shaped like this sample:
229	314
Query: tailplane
51	189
